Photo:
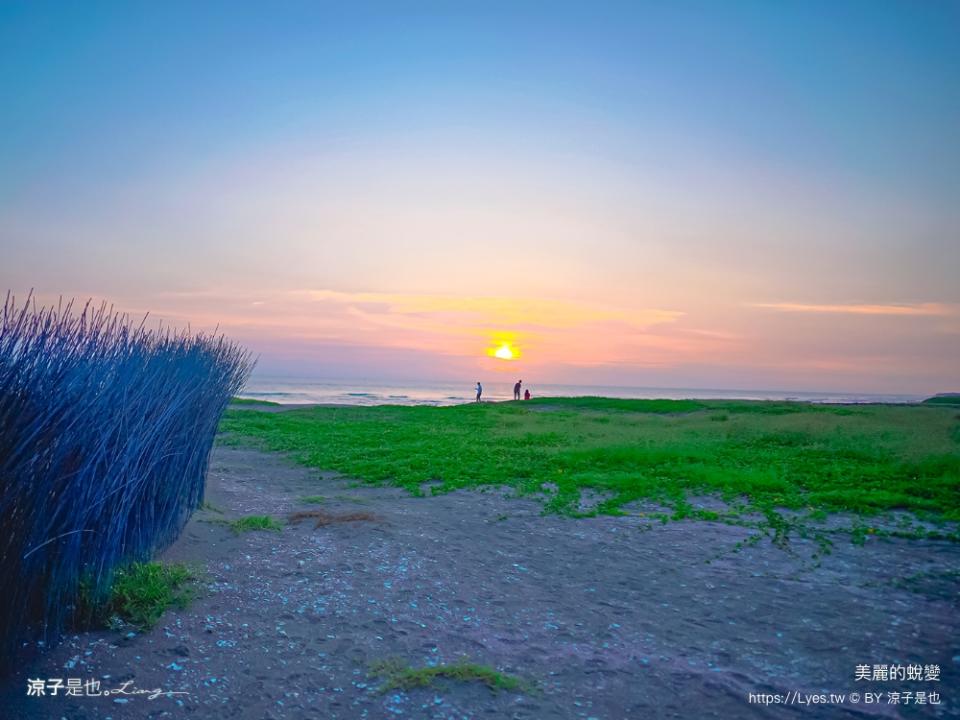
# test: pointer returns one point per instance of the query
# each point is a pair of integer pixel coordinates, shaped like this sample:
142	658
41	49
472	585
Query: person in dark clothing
526	394
516	390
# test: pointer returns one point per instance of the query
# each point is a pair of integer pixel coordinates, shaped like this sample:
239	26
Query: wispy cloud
913	309
498	311
544	330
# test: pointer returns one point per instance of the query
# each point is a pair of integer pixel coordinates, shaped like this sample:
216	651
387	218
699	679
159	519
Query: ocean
298	391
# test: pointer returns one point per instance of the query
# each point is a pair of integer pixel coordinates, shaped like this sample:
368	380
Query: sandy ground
606	617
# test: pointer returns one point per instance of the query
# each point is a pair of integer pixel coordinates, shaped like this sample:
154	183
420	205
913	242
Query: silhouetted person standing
526	394
516	390
479	390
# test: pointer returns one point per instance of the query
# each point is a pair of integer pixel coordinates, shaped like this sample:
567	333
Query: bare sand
607	617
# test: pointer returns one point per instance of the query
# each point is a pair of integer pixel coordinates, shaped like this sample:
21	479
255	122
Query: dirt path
607	617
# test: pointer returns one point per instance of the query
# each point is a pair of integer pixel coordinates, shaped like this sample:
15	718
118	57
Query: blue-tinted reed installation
106	428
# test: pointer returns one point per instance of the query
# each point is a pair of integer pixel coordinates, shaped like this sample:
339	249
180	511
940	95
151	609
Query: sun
503	348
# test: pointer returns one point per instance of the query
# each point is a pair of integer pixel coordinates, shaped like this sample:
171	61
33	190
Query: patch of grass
944	582
607	405
945	399
251	523
399	676
251	401
313	500
764	458
141	593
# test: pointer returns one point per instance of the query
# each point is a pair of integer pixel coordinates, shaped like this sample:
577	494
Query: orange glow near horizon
561	339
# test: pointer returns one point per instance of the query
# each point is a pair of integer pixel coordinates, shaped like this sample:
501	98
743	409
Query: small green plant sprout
399	676
251	523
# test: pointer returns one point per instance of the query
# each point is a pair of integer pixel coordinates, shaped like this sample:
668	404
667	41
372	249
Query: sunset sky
760	195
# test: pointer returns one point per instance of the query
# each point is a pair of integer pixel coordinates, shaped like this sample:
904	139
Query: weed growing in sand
398	676
140	594
920	582
252	523
313	500
779	466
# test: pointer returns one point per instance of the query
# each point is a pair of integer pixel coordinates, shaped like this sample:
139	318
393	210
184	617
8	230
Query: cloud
546	331
496	311
910	309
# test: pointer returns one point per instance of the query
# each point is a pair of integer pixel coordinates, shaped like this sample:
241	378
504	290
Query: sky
744	195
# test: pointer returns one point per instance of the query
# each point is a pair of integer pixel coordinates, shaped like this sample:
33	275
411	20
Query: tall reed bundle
105	432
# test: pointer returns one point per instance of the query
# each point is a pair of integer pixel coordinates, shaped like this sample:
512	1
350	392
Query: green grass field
760	457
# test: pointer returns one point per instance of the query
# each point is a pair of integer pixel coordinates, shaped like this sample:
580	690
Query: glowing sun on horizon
504	352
